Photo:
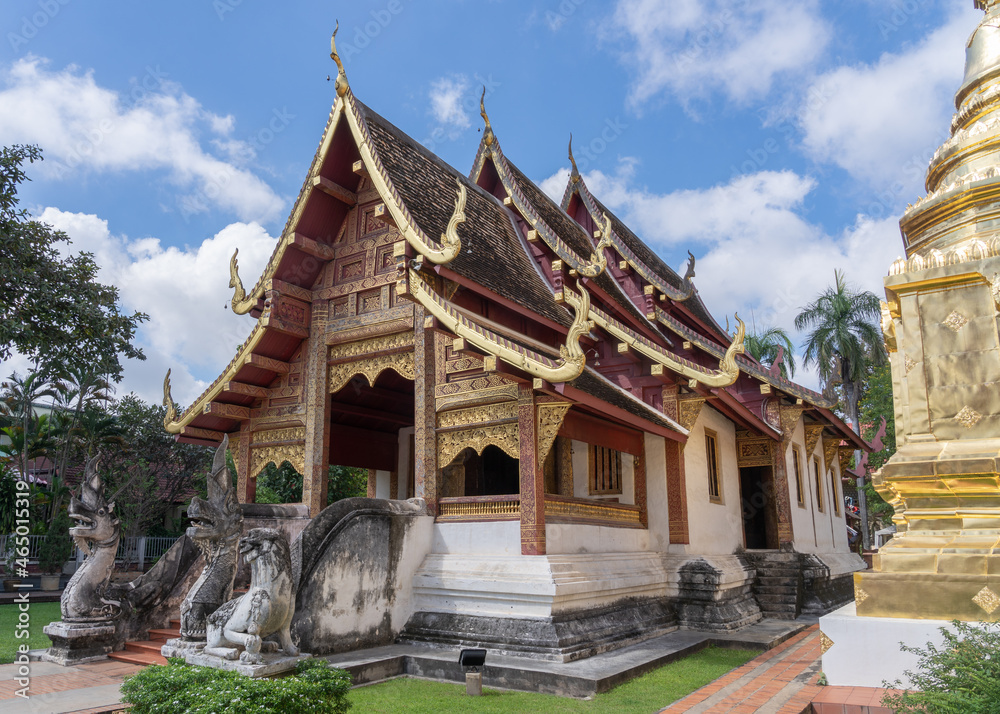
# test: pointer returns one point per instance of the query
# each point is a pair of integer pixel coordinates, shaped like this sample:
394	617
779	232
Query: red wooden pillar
532	476
677	510
639	472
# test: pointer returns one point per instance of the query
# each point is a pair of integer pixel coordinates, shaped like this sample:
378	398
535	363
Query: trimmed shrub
960	677
180	688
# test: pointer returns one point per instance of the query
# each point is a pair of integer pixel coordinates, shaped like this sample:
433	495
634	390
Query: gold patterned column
246	483
316	467
941	328
425	476
532	476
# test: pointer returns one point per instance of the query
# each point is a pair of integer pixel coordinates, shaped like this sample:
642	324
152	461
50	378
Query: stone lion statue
267	608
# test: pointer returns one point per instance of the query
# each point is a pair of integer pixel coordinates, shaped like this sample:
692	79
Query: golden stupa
940	321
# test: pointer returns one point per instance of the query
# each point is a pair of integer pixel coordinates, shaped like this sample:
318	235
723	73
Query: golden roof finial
170	418
574	173
488	135
341	84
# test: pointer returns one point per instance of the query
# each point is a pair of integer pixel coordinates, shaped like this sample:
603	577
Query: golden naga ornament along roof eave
598	260
241	302
572	359
726	375
170	423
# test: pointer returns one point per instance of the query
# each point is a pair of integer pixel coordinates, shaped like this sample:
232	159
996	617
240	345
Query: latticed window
712	459
797	466
819	484
605	470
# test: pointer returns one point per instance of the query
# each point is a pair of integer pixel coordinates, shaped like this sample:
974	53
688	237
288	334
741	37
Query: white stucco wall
656	492
494	538
715	528
815	531
381	484
573	539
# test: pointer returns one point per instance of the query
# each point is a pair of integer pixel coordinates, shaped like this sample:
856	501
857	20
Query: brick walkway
780	681
65	689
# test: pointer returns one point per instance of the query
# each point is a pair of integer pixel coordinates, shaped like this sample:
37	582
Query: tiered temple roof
566	295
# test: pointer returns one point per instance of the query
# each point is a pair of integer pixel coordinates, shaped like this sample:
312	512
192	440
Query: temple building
600	459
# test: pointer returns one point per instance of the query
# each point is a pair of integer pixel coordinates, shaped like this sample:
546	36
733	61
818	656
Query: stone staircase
145	652
778	586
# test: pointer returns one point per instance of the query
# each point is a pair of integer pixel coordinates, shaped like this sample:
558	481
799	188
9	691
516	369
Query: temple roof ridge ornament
574	174
340	85
488	136
619	245
572	358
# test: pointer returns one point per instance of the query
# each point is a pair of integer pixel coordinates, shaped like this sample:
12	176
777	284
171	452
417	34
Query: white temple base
865	650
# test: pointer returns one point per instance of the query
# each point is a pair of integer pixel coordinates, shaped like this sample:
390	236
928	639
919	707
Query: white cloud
757	253
185	291
881	122
448	99
156	126
693	48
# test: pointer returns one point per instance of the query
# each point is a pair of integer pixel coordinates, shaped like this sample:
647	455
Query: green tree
57	547
845	339
150	470
876	405
764	347
55	312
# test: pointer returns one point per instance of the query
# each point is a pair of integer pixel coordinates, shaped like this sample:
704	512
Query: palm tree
79	389
845	339
18	400
97	429
767	345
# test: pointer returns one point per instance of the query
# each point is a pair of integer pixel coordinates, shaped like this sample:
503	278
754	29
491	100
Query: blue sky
775	139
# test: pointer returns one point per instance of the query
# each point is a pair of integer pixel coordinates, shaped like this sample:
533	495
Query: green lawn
648	693
41	614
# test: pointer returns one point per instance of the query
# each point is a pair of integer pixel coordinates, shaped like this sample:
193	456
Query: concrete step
141	658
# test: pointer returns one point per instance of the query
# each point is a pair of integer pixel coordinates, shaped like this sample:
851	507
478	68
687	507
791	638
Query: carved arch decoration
489	425
504	436
370	358
277	445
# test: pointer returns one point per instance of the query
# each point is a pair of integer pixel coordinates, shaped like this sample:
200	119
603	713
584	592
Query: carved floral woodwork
689	409
813	434
277	445
753	450
550	417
